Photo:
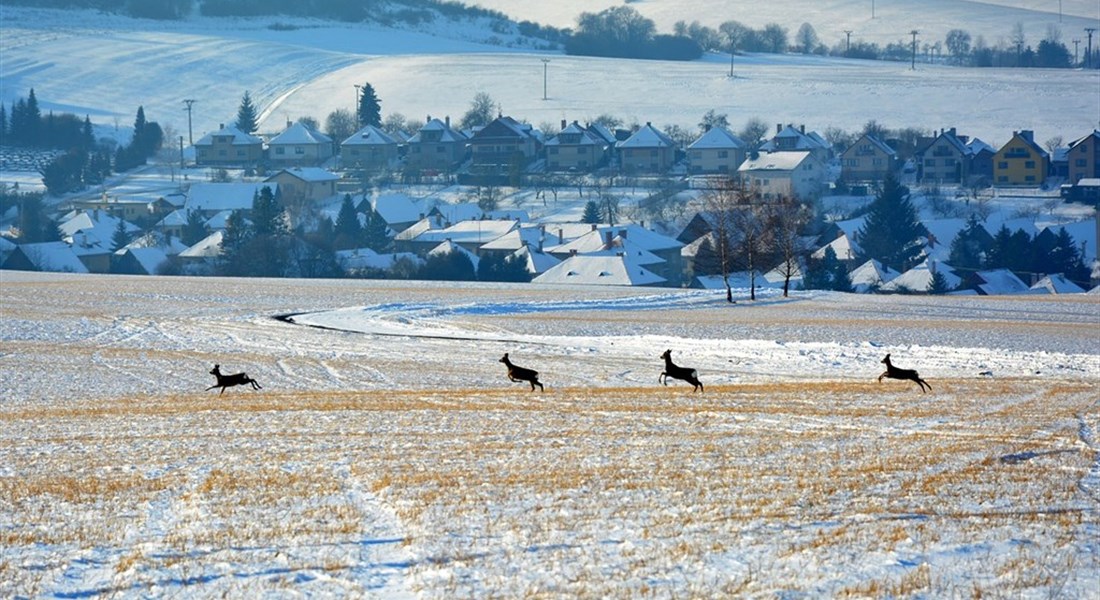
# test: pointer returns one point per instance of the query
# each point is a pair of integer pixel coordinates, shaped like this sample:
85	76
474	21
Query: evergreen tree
891	233
32	121
450	266
87	136
348	232
369	111
246	115
235	240
938	285
3	124
510	268
268	218
376	233
827	273
121	237
194	231
138	142
1011	250
591	213
970	246
1065	258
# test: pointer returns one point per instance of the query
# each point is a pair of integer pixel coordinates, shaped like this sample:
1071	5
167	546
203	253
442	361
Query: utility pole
731	59
181	157
189	102
872	9
848	41
545	65
1076	42
1088	47
913	63
355	106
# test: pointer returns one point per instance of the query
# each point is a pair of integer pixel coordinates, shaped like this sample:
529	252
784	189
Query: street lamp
355	105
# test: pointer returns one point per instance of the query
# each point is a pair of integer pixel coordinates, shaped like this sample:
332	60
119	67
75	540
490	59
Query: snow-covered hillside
398	461
892	21
100	66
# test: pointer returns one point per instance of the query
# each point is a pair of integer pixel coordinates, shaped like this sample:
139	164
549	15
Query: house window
653	153
439	149
554	150
696	154
240	154
949	162
876	162
723	154
1029	178
1002	178
1003	164
299	150
280	151
582	150
1029	164
1080	162
222	152
929	162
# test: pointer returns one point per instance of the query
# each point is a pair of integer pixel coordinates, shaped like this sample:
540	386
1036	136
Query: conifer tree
194	230
121	237
347	230
591	213
891	234
938	285
376	233
3	123
246	115
970	246
369	111
32	121
87	136
234	245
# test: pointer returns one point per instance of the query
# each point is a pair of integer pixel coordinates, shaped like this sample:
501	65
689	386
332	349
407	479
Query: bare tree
720	205
753	230
789	218
1054	143
340	125
807	38
753	132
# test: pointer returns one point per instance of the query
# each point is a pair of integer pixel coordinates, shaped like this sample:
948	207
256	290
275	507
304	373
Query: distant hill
893	19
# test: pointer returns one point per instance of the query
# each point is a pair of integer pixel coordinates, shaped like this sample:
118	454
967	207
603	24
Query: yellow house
1021	161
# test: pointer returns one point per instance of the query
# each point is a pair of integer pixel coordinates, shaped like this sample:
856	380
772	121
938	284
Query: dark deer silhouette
893	372
677	372
521	374
225	381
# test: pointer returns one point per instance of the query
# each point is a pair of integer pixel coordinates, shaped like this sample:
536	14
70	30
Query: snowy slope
893	19
99	66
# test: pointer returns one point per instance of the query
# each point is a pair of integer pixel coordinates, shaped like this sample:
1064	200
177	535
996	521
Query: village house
503	146
309	184
791	139
579	148
370	148
944	160
1021	161
1084	158
436	147
648	150
786	174
658	254
716	152
299	145
229	147
44	256
209	199
868	159
981	161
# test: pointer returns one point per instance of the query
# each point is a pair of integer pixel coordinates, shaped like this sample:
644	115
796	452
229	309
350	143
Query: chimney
607	240
561	236
778	128
706	128
593	227
563	124
802	128
221	126
428	119
622	233
1028	135
953	133
289	123
447	121
572	252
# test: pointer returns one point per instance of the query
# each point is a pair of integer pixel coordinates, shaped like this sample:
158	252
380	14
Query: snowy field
387	454
105	66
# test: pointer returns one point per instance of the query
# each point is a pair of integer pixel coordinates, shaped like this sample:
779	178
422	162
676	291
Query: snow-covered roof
398	208
53	256
95	225
516	239
614	269
1056	284
1082	232
307	174
240	138
208	247
919	277
150	259
941	232
447	135
453	213
370	136
176	218
596	239
775	161
448	247
219	220
843	247
468	232
210	197
977	146
365	258
870	275
999	282
717	138
299	133
155	239
801	141
537	262
647	137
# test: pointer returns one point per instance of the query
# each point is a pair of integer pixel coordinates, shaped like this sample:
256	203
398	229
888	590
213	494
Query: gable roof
150	259
370	136
447	135
50	256
874	141
717	138
869	275
307	174
604	269
505	127
918	278
210	197
300	133
398	208
240	138
802	140
647	137
775	161
997	282
208	247
1095	135
1056	284
1028	138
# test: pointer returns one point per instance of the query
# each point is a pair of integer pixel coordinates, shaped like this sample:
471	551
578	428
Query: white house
794	174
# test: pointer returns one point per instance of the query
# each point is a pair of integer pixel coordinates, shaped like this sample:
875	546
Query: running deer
521	374
893	372
225	381
677	372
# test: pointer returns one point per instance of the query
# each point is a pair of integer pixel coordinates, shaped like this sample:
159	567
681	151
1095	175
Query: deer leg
211	387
